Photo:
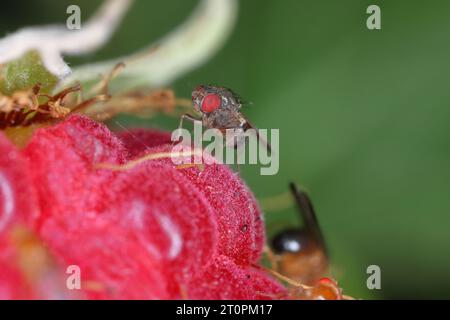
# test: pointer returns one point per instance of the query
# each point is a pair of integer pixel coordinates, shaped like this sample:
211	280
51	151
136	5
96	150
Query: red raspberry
239	218
154	231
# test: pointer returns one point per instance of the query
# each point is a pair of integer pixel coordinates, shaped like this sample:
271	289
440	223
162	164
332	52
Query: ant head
208	98
293	241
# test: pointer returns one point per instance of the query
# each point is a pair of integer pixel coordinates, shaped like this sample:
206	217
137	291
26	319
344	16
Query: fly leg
247	125
185	116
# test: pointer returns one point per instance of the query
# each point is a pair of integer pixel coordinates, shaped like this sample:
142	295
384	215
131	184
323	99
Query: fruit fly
220	109
299	255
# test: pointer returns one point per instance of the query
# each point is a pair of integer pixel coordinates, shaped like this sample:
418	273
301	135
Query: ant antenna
308	215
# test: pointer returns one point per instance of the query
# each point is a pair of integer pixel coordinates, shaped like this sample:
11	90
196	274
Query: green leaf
24	73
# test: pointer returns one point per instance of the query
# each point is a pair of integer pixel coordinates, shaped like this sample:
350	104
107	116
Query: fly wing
236	120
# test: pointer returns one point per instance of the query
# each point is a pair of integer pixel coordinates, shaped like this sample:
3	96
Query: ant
299	255
219	108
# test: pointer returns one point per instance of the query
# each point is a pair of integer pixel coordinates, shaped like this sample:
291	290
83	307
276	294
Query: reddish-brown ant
220	109
299	255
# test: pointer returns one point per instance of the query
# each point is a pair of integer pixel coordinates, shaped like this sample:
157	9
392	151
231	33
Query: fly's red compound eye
211	102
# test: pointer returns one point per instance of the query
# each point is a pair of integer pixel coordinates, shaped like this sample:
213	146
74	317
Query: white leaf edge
184	49
53	41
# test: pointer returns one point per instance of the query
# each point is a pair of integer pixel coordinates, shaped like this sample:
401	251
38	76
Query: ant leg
271	256
277	296
287	279
183	292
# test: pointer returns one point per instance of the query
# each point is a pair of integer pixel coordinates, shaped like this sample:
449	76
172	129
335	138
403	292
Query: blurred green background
363	116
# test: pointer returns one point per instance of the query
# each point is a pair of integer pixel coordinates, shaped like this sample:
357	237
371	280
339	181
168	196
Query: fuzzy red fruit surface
239	226
211	102
17	194
153	231
224	279
171	219
18	206
82	220
62	160
13	284
140	140
239	219
113	262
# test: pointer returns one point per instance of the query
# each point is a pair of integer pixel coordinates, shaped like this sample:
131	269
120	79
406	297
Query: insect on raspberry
219	108
300	258
300	253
